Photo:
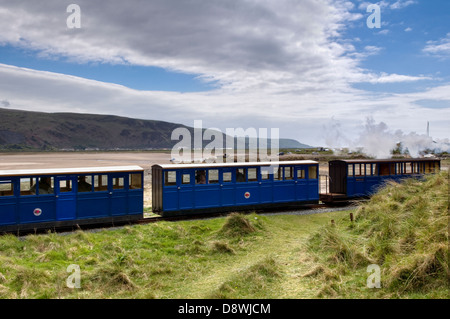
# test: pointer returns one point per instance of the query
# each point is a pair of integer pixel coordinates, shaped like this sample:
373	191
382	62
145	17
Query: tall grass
141	261
403	229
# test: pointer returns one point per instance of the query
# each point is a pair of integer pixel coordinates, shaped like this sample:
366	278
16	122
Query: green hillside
24	130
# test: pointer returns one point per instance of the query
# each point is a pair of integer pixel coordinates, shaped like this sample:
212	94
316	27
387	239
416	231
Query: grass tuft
222	247
237	225
252	282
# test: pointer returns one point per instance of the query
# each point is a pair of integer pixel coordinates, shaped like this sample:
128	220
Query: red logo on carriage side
37	212
247	195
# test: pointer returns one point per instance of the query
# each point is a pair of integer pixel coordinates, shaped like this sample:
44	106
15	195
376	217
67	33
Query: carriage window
431	167
100	183
6	188
374	169
200	177
170	178
265	173
408	168
312	171
118	183
84	184
436	167
186	179
367	169
398	168
227	177
45	186
27	186
288	173
350	170
419	168
135	181
301	174
252	175
279	174
359	170
240	175
65	186
213	176
415	168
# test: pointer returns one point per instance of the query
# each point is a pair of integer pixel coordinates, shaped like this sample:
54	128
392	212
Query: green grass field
403	230
251	257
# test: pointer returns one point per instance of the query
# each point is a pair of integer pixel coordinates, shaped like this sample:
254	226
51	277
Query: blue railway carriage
179	189
361	178
52	198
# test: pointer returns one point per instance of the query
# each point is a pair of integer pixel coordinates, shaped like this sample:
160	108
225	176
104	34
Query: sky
318	70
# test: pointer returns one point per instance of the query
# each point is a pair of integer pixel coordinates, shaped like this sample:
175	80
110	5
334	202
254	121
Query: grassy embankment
235	257
403	229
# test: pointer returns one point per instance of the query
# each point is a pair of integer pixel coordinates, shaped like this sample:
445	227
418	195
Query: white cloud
242	45
401	4
279	64
393	78
439	48
299	115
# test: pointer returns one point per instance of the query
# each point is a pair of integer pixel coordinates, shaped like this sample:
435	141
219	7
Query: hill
25	130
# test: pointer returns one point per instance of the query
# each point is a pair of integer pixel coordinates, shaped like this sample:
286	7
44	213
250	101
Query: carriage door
301	183
65	197
118	194
227	187
360	179
186	190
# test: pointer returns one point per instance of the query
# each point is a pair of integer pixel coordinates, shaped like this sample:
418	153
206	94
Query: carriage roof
69	171
233	164
386	160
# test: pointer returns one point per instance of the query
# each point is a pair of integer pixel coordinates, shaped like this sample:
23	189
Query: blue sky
302	66
402	37
133	76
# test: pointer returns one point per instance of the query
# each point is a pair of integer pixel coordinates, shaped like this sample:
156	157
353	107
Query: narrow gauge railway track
301	210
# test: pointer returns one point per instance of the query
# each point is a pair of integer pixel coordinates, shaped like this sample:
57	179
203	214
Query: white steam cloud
378	141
